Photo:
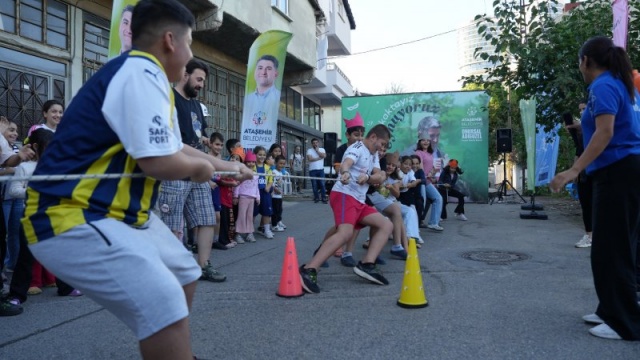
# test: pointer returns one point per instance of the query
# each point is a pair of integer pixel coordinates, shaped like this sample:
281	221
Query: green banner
456	122
120	38
528	114
262	90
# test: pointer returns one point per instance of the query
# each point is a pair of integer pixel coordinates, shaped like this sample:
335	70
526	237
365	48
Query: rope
68	177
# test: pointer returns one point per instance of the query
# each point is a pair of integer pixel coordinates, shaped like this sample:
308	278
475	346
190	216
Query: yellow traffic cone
412	293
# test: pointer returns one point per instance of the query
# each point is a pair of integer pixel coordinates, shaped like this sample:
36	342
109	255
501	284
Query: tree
394	88
536	53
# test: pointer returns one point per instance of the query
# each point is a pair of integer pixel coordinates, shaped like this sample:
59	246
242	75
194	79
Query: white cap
205	112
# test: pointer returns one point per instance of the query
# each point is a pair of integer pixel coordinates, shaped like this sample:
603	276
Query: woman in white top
52	112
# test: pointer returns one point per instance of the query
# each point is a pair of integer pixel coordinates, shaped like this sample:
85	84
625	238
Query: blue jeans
318	185
13	210
436	207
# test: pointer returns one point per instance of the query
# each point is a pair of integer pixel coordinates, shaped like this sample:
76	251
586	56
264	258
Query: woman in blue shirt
611	128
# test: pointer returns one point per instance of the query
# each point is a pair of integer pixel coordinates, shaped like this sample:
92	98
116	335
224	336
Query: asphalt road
525	301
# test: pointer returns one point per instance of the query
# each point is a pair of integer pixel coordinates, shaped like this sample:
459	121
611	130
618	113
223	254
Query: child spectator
12	209
265	182
215	146
228	213
421	191
30	276
245	195
448	179
278	189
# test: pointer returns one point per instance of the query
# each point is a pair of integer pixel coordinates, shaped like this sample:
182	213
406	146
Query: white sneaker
593	319
419	240
461	217
605	332
239	239
435	227
278	228
268	234
251	238
282	225
585	242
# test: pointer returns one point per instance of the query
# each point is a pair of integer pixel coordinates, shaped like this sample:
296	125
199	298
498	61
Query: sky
428	65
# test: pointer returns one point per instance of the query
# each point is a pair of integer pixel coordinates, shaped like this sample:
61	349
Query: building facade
49	48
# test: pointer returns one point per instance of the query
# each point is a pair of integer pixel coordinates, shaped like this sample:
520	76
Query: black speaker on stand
503	141
504	145
330	142
330	145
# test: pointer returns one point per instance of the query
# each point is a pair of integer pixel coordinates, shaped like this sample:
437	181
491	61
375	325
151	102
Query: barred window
96	47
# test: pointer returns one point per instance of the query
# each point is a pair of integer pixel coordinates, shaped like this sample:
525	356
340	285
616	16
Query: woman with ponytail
611	130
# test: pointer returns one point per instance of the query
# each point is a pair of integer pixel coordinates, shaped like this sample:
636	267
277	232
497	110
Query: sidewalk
524	301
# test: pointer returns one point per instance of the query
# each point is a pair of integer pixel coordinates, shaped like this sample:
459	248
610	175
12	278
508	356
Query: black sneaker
9	309
309	279
348	261
218	246
370	272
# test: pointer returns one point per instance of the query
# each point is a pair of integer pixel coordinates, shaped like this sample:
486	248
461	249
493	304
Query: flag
620	22
120	33
528	115
265	69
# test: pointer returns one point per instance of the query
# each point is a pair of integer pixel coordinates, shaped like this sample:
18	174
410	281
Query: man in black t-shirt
182	200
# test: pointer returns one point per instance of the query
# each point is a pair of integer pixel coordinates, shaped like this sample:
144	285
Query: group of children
29	277
238	203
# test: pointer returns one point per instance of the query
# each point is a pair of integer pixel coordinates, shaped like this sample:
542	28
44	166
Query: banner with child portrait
457	123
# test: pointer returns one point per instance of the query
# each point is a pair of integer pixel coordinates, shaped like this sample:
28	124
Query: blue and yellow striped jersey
123	113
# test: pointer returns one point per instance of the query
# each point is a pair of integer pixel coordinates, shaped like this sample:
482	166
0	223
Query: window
223	95
45	21
282	5
96	45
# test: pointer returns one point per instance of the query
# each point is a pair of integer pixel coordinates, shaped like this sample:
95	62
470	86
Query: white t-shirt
406	179
363	164
318	164
18	189
144	131
297	162
6	150
278	183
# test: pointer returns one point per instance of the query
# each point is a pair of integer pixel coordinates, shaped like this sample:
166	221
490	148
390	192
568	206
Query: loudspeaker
504	143
330	142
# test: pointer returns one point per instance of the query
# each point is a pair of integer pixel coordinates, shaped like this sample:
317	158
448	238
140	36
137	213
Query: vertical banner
457	123
620	22
547	147
120	38
262	91
528	115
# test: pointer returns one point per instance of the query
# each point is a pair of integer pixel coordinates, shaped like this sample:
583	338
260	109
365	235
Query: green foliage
536	55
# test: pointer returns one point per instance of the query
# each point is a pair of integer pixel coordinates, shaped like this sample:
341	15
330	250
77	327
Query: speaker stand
533	214
503	185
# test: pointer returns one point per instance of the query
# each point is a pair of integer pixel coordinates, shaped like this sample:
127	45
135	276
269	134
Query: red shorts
348	210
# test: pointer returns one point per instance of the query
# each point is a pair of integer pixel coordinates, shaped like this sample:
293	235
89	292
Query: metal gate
22	95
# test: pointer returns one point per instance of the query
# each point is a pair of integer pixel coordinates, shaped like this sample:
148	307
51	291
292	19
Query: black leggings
585	196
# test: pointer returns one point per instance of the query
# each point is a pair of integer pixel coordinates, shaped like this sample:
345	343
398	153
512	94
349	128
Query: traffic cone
412	293
290	285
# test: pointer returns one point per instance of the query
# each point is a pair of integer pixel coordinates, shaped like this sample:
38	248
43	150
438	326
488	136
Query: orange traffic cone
290	285
412	293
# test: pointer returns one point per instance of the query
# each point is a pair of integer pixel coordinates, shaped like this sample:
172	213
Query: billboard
265	68
458	122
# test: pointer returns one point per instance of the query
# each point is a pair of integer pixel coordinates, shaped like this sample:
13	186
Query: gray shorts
379	202
188	199
135	273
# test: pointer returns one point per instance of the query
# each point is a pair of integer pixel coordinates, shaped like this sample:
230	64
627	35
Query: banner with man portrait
457	123
120	38
262	90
